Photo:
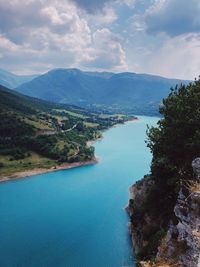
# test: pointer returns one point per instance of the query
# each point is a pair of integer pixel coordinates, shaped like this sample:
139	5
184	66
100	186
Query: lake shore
92	142
62	206
66	166
28	173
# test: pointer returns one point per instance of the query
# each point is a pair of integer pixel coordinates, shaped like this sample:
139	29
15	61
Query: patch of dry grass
193	186
160	264
34	161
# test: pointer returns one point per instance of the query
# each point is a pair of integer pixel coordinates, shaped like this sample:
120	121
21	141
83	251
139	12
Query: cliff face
164	207
182	242
139	225
145	229
178	244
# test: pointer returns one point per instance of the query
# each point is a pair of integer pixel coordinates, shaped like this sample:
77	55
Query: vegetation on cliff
174	143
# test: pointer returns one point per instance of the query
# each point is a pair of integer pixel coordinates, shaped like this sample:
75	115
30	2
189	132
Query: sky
159	37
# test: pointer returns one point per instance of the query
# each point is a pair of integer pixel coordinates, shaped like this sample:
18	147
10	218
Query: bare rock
196	167
182	242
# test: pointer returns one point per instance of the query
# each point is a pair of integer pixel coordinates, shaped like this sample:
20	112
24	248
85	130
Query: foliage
57	132
13	127
174	143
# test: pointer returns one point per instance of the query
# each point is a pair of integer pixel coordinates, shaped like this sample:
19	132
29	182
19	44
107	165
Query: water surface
75	218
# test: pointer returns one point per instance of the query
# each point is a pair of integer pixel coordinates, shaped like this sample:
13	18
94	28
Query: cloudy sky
149	36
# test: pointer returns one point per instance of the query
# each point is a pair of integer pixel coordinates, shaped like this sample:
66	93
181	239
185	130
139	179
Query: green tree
175	142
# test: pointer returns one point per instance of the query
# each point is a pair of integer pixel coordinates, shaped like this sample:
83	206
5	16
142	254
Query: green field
74	114
34	161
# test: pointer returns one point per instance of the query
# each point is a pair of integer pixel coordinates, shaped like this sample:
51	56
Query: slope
11	80
122	92
38	134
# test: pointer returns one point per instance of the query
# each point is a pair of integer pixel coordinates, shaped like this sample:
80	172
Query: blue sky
146	36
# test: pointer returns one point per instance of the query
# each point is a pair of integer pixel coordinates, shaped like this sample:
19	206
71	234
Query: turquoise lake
76	218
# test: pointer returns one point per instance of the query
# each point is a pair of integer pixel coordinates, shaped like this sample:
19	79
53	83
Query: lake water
75	218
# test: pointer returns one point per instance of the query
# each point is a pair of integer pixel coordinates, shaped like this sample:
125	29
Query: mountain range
105	91
12	81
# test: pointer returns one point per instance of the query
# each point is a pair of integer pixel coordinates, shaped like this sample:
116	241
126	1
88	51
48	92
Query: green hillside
121	92
38	134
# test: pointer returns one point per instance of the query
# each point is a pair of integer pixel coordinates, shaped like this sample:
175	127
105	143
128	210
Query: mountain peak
128	92
65	70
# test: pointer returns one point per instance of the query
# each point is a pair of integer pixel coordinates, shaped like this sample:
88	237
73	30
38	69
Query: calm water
75	218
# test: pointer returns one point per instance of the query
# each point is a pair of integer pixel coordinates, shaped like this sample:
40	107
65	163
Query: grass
35	161
41	125
91	124
71	152
107	116
61	144
160	264
74	114
59	118
193	186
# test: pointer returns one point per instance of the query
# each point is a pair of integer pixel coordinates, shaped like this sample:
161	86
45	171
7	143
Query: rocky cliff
178	243
182	242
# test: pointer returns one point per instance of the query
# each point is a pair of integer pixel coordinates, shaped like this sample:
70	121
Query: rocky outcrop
182	242
179	243
196	168
139	223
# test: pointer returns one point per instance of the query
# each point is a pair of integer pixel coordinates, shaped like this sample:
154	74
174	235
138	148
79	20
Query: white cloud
105	16
7	45
56	34
178	58
159	36
106	52
129	3
24	17
138	23
173	17
91	6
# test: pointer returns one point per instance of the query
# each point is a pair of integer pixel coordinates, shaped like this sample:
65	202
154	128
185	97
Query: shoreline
29	173
125	122
65	166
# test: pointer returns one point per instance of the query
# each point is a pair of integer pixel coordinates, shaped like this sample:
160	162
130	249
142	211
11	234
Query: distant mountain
12	81
129	92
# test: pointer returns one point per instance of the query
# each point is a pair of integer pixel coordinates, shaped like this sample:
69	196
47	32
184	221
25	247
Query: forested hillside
35	133
121	92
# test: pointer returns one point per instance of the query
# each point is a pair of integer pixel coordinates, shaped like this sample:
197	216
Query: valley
124	92
36	134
